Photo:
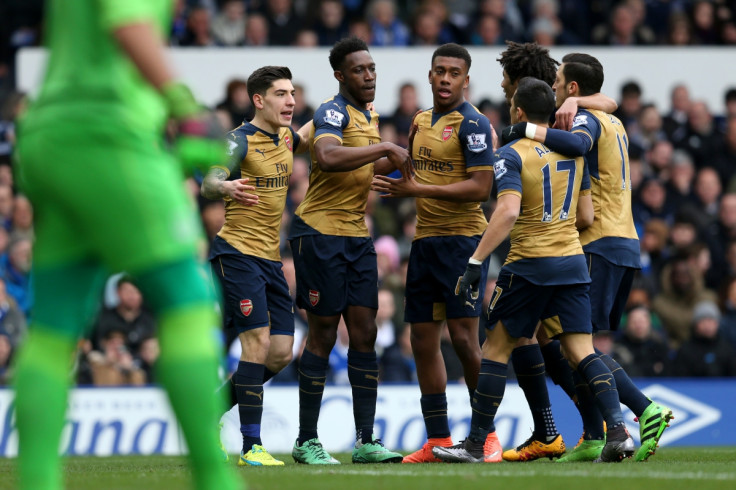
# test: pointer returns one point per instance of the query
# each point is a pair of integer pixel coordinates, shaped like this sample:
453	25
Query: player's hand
513	132
468	285
565	115
200	143
403	187
236	190
400	159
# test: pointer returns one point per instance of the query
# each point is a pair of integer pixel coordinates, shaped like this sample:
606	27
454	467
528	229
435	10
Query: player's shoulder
244	130
588	117
471	114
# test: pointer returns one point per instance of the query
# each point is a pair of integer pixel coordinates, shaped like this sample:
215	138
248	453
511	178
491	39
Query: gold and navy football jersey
267	160
447	147
335	201
612	233
545	246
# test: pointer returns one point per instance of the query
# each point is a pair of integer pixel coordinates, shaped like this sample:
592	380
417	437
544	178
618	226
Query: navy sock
589	413
628	393
558	368
529	368
363	376
268	374
603	387
249	390
434	411
487	398
312	376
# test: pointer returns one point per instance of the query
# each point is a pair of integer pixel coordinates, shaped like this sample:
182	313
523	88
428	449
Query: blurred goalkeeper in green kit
108	197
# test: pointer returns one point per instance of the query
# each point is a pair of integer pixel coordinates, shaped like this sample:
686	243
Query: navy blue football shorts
520	305
435	265
254	293
609	291
334	272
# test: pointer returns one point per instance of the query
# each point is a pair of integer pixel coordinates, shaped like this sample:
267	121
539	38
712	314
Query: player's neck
346	95
261	123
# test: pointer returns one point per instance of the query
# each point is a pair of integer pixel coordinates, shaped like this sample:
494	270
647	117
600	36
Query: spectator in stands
303	112
361	29
658	156
6	354
449	31
630	106
680	30
386	336
199	29
674	123
402	117
236	102
640	351
387	28
9	111
283	22
651	202
113	364
703	140
15	270
128	317
654	252
546	22
12	320
147	357
707	352
256	30
6	206
728	306
21	223
622	30
682	289
331	25
426	28
306	38
487	32
704	210
397	363
650	131
228	26
705	30
681	177
508	15
725	158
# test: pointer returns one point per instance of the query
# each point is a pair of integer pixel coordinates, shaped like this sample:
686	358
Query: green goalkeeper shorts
118	201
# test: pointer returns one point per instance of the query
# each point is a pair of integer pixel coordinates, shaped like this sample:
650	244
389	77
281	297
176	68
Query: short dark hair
261	80
452	50
630	88
730	95
584	69
343	48
536	98
528	60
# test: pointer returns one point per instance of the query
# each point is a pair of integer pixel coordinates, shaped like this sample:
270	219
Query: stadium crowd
681	314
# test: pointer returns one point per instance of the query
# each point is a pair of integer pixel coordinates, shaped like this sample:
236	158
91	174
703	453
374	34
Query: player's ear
574	88
339	76
258	101
467	82
429	76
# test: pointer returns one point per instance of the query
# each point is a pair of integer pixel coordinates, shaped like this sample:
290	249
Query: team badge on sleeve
287	142
499	168
313	297
246	306
231	145
580	120
477	142
334	117
446	133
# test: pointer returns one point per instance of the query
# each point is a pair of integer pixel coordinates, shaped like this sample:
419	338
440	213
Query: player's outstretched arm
475	189
565	115
304	137
334	157
570	144
216	186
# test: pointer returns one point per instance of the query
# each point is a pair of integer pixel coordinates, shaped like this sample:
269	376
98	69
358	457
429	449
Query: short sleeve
477	143
507	170
587	124
330	119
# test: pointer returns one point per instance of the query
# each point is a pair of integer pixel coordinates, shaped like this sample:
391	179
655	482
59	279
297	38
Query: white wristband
531	130
473	261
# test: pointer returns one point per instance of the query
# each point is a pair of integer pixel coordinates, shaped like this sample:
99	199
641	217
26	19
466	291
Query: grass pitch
670	469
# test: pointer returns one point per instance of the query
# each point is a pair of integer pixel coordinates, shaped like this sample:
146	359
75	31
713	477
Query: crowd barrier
120	421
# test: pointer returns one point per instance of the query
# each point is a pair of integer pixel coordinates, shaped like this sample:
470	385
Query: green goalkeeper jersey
89	80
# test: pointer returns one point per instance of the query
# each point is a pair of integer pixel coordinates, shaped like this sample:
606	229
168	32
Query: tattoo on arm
213	186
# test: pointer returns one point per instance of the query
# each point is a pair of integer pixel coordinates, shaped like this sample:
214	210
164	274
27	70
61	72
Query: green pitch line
669	469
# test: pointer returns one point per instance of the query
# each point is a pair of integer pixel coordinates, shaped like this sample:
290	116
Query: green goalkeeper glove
201	142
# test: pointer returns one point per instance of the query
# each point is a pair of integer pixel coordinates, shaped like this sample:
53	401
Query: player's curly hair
344	47
452	50
261	80
528	60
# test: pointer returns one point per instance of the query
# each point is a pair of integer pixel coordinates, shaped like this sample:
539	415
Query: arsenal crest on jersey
446	133
246	306
287	142
313	297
